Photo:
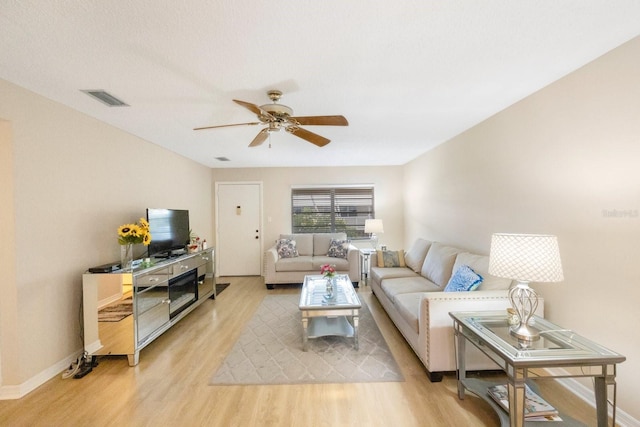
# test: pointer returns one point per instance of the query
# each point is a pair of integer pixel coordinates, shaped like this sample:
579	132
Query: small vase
330	287
126	256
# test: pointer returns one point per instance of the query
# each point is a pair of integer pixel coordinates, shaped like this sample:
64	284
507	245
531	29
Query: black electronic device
106	268
169	230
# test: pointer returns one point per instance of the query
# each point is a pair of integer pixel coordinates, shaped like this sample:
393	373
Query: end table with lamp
557	347
520	342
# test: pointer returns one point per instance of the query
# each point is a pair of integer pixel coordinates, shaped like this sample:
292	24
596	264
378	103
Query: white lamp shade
525	257
373	226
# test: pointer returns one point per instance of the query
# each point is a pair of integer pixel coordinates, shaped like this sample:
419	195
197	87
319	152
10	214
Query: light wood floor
170	384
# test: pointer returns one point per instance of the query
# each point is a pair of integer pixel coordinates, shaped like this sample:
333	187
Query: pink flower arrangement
328	270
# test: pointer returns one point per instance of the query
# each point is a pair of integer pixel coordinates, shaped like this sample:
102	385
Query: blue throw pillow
463	280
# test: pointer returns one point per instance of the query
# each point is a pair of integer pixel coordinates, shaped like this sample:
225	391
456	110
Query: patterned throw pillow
391	259
338	248
286	248
463	280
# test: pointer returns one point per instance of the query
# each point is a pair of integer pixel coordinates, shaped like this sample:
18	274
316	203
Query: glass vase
126	256
330	287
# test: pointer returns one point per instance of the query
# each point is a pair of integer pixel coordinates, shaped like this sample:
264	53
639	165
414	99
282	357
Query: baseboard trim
623	419
9	392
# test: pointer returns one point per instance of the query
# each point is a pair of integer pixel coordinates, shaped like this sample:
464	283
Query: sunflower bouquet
134	233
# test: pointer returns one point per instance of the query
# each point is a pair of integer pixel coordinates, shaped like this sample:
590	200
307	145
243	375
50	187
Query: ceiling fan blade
321	120
260	138
313	138
254	109
226	126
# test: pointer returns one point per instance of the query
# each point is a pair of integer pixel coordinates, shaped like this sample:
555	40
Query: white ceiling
407	75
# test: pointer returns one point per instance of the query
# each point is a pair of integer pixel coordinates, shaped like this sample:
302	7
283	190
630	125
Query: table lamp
525	258
373	226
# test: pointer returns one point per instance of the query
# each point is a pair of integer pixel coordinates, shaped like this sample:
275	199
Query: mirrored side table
559	352
365	264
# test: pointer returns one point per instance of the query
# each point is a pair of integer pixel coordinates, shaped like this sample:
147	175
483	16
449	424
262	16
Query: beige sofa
414	298
312	254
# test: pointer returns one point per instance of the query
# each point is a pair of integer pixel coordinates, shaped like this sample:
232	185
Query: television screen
169	230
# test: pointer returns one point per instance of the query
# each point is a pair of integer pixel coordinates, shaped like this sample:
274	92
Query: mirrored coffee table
324	316
557	348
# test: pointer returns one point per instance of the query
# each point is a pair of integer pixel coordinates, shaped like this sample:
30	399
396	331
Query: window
331	210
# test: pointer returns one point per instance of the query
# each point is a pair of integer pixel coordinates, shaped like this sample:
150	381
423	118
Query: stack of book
535	407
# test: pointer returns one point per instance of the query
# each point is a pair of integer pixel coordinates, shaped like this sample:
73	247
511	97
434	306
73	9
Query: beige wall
556	162
75	180
8	302
277	183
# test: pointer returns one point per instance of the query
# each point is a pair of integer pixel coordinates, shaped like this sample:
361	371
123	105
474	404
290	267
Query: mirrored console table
124	311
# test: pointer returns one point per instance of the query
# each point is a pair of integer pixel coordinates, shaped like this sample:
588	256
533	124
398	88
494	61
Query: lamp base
524	301
524	332
374	241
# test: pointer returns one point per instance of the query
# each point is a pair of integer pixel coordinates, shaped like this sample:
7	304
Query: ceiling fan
277	116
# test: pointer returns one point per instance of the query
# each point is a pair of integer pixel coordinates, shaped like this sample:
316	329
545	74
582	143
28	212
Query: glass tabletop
555	343
314	294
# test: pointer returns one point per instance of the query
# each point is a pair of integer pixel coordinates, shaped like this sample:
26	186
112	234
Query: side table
556	348
365	264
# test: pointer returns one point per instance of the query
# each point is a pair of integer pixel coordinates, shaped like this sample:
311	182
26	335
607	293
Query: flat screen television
169	230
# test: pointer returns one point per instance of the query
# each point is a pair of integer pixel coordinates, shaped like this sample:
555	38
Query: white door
238	225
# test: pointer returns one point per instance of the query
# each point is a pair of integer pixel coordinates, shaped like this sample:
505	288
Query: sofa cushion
390	259
408	305
414	257
341	264
304	242
379	274
321	242
405	285
438	263
300	263
286	248
480	264
463	280
338	248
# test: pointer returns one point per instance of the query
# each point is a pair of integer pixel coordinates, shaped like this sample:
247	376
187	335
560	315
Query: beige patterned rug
269	351
116	312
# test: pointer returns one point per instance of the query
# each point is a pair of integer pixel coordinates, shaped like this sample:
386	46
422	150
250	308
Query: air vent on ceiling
105	98
222	159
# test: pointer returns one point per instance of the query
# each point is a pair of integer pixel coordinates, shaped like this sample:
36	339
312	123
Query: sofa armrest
353	256
270	259
373	259
438	337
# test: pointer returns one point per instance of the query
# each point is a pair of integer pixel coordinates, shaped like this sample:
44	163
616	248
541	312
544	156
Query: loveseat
411	287
294	256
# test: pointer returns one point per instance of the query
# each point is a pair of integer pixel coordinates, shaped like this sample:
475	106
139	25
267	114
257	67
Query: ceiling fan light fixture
273	127
276	116
278	110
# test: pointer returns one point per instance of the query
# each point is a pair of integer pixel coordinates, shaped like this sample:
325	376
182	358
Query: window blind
332	209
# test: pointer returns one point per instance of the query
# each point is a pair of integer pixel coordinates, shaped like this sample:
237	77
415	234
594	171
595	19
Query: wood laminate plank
170	384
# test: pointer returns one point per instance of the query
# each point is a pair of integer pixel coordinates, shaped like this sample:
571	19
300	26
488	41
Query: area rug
221	287
269	351
116	312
